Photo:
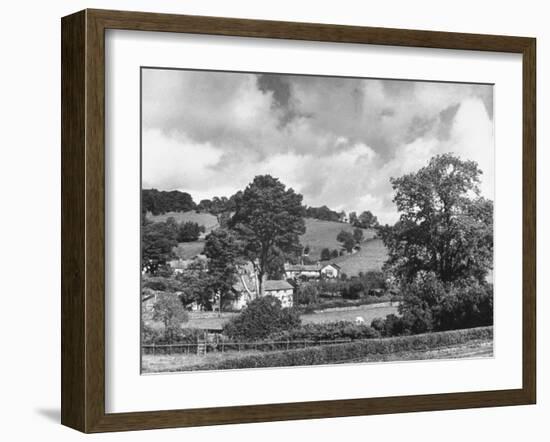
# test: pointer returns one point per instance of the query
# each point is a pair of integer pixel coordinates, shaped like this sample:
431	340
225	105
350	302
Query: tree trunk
260	284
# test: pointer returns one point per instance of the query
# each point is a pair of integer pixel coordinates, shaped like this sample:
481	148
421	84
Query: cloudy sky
335	140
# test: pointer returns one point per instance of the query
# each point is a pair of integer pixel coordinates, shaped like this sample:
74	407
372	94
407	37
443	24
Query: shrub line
356	349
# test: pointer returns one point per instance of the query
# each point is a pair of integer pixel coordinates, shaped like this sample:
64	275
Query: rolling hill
372	256
320	234
210	222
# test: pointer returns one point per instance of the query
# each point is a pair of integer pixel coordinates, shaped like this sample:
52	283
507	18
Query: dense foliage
157	242
323	213
306	294
330	331
327	254
189	231
366	220
445	227
347	239
268	220
261	318
224	255
159	202
169	310
430	305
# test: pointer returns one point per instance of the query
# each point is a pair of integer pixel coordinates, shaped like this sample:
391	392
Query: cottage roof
302	267
336	266
271	285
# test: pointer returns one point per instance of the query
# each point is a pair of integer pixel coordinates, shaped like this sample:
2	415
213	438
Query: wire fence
203	347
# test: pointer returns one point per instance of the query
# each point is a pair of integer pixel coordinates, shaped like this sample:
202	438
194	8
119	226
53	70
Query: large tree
367	220
223	252
157	242
445	227
169	310
268	219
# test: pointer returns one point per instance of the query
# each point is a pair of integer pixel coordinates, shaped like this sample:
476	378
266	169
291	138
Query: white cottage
281	290
330	271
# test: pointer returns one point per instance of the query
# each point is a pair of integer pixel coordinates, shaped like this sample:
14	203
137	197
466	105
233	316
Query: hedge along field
330	354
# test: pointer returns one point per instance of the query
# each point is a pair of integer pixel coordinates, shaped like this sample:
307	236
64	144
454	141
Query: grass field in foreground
475	349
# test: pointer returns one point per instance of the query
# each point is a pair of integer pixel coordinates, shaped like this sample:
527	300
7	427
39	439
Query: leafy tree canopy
159	202
347	239
268	219
445	227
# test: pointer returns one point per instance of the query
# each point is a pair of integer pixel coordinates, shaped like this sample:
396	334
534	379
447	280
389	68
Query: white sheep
359	320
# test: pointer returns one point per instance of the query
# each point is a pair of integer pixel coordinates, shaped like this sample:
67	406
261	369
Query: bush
262	317
189	231
465	307
329	331
429	304
353	290
378	325
325	254
327	354
306	294
169	310
393	326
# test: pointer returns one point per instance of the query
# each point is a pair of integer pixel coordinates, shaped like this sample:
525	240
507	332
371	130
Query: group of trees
158	240
159	202
366	220
323	213
219	205
261	318
189	231
263	229
350	239
327	254
439	252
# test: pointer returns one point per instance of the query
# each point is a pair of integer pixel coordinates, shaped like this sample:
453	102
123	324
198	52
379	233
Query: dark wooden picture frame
83	220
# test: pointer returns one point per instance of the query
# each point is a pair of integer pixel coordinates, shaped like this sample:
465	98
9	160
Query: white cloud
337	141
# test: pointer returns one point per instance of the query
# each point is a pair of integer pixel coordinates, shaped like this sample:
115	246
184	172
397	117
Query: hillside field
320	234
210	222
372	256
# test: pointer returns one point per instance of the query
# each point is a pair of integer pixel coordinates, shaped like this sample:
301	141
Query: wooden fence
203	347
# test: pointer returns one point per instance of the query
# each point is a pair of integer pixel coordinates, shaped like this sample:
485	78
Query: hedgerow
329	331
354	350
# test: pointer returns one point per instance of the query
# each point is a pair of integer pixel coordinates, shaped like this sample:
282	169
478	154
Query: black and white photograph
302	220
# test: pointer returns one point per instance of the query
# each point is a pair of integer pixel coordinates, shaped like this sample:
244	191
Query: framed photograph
267	220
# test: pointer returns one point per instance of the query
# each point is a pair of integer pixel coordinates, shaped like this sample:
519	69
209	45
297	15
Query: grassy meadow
320	234
372	256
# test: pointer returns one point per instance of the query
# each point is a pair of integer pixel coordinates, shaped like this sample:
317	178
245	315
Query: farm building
246	289
314	271
294	271
330	271
281	290
180	265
